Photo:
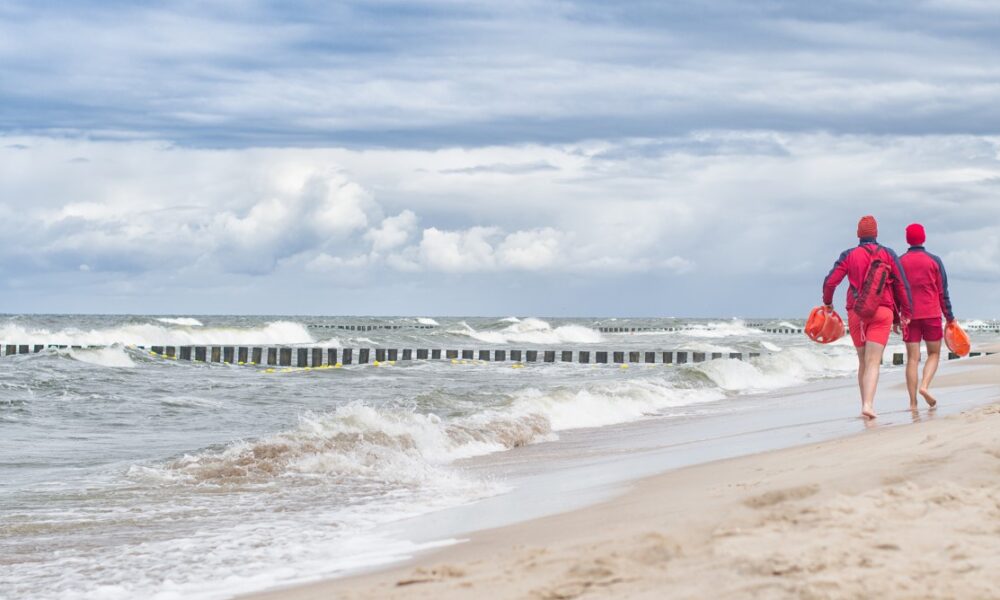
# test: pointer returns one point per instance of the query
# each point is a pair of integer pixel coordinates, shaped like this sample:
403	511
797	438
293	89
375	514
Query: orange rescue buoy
824	325
956	339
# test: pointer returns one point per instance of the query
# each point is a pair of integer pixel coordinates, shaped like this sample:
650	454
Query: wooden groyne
315	356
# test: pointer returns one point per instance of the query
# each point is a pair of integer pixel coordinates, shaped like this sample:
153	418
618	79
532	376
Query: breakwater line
317	356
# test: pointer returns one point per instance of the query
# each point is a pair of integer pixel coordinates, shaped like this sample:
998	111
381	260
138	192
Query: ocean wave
360	442
147	334
794	366
532	331
110	356
426	321
182	321
720	329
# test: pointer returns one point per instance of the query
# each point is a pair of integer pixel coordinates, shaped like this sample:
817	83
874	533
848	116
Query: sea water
126	475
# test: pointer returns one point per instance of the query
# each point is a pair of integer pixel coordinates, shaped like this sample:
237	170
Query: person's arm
943	295
901	289
834	277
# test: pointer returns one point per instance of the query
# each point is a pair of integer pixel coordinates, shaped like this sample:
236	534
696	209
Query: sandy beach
901	512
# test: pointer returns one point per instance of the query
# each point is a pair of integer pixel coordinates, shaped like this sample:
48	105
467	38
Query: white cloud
393	232
458	251
708	210
532	250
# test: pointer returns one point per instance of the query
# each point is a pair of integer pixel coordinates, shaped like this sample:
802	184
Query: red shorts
875	329
929	330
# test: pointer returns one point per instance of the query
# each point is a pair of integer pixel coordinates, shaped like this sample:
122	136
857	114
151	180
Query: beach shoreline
822	520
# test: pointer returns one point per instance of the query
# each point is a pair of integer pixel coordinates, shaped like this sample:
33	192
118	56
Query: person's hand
897	329
828	307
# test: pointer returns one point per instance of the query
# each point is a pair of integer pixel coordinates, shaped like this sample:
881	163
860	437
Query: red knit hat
867	227
915	234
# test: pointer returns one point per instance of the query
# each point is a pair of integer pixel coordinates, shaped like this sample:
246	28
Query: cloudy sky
436	157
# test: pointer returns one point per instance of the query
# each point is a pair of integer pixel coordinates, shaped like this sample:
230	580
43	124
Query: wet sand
898	512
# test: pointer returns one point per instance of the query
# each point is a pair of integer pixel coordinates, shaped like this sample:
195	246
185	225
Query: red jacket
853	263
928	282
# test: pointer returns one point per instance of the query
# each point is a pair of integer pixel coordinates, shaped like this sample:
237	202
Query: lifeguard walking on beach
878	298
929	285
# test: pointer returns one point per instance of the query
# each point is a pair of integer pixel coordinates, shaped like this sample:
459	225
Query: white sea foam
182	321
770	347
147	334
720	329
793	366
533	331
510	320
409	448
608	403
427	321
111	356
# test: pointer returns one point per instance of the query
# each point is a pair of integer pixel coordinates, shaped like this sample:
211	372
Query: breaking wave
110	356
793	366
146	334
182	321
532	331
720	329
360	442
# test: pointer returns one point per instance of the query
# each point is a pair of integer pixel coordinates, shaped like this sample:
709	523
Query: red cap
915	234
867	227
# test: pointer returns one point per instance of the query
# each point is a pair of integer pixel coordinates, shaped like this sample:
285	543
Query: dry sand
903	512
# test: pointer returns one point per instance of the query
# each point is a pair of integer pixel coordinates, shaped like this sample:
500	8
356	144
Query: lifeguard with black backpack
878	300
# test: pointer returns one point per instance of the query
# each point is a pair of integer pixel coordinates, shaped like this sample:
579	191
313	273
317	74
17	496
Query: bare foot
931	400
868	413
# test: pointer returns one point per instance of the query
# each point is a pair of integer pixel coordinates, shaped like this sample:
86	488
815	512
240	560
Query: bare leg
912	371
869	382
861	369
930	368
